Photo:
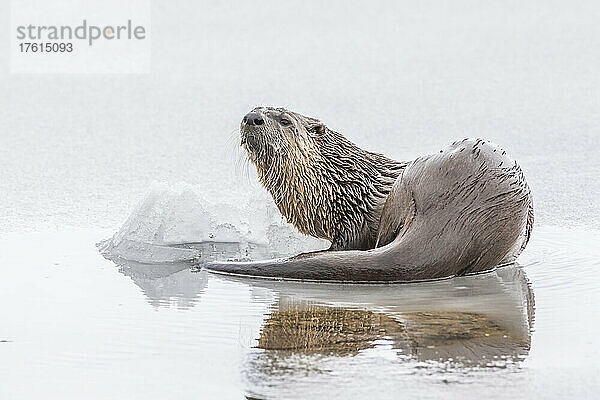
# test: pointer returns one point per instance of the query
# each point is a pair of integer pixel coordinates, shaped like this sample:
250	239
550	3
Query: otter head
273	134
321	182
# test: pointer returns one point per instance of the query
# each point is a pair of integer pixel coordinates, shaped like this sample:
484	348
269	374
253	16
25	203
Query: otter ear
317	128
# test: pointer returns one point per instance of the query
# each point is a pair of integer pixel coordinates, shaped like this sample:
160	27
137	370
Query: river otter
463	210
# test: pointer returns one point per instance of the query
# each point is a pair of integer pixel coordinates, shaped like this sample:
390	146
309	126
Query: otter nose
253	118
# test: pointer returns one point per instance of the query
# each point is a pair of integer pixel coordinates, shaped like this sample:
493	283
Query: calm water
76	325
77	152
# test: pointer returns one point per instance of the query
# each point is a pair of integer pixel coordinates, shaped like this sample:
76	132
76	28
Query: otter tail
376	265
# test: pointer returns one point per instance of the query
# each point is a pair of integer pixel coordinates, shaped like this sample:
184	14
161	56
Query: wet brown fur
324	184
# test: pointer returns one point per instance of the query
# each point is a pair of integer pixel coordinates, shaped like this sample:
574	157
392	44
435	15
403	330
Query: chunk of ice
174	223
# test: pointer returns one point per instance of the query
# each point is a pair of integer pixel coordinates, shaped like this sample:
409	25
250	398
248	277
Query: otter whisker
240	155
234	137
242	168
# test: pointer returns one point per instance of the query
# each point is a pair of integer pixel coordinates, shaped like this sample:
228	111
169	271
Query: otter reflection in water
474	320
428	335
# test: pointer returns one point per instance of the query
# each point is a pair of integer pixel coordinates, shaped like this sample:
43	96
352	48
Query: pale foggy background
402	78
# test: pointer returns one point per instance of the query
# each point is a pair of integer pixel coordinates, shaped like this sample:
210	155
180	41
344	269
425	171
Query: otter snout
250	130
253	119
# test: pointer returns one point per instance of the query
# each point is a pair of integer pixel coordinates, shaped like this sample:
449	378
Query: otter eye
285	122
